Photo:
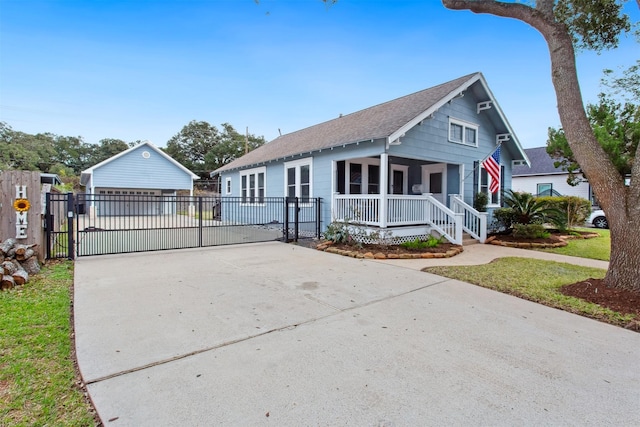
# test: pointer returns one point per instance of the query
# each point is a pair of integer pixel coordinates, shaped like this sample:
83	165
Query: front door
434	181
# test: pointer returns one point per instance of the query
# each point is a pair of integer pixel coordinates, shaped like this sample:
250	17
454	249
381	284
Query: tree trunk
24	252
31	265
6	246
620	203
20	277
7	282
8	267
624	266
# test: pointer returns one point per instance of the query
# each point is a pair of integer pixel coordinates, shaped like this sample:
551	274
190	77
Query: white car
598	219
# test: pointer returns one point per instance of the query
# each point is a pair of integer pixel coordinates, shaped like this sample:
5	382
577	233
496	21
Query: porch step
468	240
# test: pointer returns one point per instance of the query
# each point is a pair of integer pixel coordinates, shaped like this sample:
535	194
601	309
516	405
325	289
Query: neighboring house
543	178
144	171
408	166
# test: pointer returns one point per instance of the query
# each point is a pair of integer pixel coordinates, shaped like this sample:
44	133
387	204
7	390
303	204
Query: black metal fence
109	224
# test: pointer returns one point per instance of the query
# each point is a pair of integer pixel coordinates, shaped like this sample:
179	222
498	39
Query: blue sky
141	70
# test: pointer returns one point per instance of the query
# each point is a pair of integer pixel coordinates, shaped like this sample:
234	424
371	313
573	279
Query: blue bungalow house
136	182
409	167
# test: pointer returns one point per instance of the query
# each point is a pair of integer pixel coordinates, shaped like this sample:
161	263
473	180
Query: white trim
256	196
465	125
362	161
435	168
435	107
296	164
489	179
227	186
90	170
405	178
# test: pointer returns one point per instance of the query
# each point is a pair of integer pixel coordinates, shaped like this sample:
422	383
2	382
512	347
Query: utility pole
246	141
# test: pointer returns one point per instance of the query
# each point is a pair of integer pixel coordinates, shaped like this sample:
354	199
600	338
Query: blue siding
134	171
424	144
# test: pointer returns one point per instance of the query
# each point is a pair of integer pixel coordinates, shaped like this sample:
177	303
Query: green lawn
512	276
594	248
37	376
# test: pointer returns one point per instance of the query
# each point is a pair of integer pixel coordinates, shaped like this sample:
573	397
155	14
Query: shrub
503	219
575	210
480	201
530	231
528	209
417	244
338	232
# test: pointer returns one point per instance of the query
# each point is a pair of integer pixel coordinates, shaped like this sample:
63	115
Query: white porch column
384	187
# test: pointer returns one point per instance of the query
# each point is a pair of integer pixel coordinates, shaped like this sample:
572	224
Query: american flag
492	165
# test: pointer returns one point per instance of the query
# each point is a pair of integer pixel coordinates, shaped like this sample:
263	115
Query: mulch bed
620	300
395	249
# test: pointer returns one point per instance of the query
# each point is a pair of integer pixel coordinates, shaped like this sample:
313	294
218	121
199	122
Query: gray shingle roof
379	121
541	164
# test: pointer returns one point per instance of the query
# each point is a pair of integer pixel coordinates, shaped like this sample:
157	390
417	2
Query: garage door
129	202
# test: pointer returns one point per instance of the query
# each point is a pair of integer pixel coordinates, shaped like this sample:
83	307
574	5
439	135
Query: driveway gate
82	225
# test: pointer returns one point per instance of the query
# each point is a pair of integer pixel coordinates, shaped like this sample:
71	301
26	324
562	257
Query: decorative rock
369	255
426	255
380	255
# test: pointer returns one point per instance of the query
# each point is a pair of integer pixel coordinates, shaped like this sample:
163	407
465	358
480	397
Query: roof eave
435	107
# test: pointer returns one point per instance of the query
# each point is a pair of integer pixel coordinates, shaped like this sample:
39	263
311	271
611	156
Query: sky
143	69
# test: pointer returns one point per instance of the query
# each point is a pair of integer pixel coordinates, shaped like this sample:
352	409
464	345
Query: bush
530	231
503	219
480	201
338	232
575	210
417	244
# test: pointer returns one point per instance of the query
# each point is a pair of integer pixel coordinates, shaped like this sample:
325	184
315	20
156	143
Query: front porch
398	212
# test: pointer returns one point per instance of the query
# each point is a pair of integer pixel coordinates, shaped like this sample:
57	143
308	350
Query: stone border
494	240
326	247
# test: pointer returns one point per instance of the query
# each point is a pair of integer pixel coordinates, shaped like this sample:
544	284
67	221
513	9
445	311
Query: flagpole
499	141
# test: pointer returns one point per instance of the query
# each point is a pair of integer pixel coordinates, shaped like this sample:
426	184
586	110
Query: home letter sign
21	205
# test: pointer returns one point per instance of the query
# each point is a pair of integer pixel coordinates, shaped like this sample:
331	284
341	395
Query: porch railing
474	222
399	210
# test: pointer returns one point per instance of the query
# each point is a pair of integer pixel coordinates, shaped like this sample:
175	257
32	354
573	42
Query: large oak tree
567	25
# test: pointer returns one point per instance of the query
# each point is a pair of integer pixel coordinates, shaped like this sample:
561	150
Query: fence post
200	221
70	215
48	224
285	226
318	227
296	218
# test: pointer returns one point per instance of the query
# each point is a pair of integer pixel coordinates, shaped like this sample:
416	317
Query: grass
37	375
206	215
594	248
512	276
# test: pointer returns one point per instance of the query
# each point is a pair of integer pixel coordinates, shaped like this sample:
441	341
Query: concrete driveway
275	334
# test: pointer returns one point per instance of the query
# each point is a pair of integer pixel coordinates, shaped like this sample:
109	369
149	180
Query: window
355	178
298	179
485	181
463	133
227	185
545	189
252	185
359	176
